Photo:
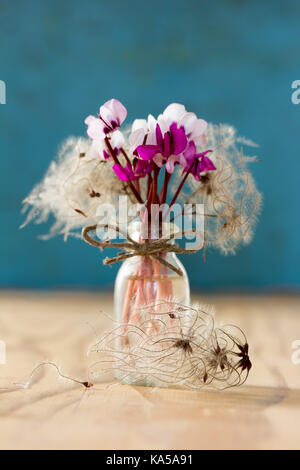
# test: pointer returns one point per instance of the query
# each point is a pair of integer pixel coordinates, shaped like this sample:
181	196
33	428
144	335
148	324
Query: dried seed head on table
179	347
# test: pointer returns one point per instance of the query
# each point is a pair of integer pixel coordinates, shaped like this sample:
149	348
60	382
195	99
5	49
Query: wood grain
56	414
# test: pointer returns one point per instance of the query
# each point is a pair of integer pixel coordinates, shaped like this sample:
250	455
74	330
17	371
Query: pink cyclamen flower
197	163
142	132
139	169
195	129
111	115
170	162
99	148
168	146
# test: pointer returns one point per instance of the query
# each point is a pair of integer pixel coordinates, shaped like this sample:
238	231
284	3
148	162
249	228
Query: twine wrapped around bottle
153	248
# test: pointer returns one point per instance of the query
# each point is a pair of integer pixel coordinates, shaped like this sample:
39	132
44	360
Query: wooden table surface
52	413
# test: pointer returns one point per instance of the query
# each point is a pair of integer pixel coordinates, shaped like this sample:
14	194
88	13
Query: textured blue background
229	61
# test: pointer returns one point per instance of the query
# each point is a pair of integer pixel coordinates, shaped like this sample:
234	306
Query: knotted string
130	248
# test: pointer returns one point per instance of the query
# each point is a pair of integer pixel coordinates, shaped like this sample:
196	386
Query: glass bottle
144	291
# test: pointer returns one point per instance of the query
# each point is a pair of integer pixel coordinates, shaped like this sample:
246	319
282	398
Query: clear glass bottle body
144	292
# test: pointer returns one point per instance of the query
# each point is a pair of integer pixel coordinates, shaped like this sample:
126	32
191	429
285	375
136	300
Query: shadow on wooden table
114	415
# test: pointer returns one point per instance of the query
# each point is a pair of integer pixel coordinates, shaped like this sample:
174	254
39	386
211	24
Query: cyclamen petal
171	162
174	112
96	149
106	155
188	121
147	152
117	139
159	160
190	152
95	127
119	110
136	138
206	164
122	173
201	141
142	167
196	163
182	160
113	111
142	131
200	128
151	122
139	124
179	139
159	137
163	123
166	145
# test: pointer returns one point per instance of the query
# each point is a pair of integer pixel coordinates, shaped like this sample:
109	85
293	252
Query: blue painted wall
229	61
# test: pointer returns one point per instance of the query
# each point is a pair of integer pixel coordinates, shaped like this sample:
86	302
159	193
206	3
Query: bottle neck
141	232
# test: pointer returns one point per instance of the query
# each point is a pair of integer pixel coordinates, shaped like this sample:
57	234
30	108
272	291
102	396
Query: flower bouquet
141	190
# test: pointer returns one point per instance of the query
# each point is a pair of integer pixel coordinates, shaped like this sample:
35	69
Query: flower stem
154	188
115	158
163	193
149	183
179	189
149	198
126	157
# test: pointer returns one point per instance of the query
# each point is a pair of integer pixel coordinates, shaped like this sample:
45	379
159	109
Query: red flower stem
111	151
137	186
149	183
148	205
137	182
115	158
163	193
151	186
136	190
126	156
136	194
179	189
154	188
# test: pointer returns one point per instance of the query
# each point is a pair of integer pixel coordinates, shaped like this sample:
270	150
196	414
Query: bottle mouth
138	230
